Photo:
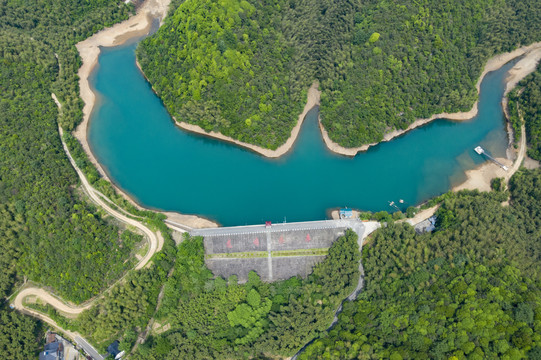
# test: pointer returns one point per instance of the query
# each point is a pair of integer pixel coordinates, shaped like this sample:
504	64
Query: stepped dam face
275	252
162	167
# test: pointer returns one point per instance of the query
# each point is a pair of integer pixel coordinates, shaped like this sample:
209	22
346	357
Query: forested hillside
47	233
215	318
226	66
125	310
21	337
526	98
55	239
241	67
412	59
471	289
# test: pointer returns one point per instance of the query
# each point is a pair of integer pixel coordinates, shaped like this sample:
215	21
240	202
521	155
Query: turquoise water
163	167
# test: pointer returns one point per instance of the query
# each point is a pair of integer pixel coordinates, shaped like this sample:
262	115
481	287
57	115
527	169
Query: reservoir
163	167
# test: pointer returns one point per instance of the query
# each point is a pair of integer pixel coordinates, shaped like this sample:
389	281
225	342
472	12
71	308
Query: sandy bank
524	67
479	178
89	50
532	55
193	221
312	100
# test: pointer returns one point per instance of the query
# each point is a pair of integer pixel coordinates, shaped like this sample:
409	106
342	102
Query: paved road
279	227
89	349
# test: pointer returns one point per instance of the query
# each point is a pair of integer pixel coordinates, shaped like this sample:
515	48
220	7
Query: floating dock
482	151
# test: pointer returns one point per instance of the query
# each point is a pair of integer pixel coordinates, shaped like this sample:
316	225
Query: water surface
163	167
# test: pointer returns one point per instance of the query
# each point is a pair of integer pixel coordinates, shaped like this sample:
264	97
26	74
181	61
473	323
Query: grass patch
301	252
263	254
252	254
142	251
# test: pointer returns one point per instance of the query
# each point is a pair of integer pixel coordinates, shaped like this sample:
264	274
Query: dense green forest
413	59
226	66
469	290
526	98
21	337
213	318
124	310
47	233
242	67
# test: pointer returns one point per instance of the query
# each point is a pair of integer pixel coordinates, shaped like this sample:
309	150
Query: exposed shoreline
89	51
481	177
313	97
140	24
532	55
522	69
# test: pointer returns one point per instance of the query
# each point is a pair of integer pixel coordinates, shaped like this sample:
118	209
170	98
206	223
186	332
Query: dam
274	251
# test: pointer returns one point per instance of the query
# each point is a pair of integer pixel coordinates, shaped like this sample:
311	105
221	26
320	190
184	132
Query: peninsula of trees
241	67
469	290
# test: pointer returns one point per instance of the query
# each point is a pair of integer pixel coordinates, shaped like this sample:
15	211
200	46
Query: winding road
155	241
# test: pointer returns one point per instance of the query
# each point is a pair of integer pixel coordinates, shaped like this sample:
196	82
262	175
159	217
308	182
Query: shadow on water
163	167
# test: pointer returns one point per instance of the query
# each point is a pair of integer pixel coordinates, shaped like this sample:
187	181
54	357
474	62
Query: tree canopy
47	232
469	290
242	67
21	337
215	318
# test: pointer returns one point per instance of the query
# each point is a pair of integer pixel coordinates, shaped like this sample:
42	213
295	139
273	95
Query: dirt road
71	310
155	240
521	152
